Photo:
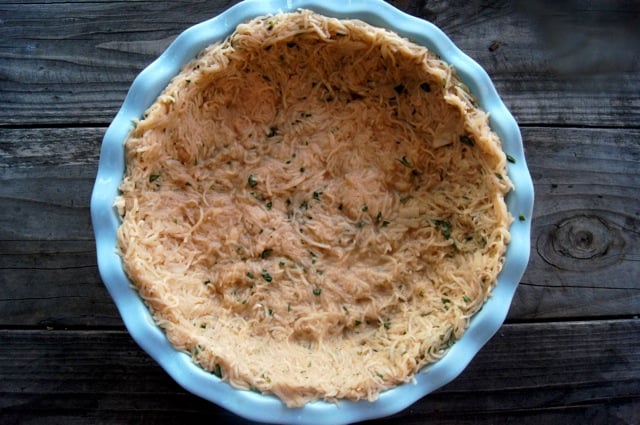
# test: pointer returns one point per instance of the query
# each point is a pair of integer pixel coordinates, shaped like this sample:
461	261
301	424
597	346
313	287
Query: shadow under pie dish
300	213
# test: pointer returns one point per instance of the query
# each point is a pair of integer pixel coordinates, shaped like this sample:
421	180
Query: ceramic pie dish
265	408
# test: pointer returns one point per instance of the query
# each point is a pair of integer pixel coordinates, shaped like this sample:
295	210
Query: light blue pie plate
265	408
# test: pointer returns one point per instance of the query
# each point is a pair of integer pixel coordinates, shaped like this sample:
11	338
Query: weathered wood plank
47	176
586	218
72	62
586	227
48	271
53	284
582	372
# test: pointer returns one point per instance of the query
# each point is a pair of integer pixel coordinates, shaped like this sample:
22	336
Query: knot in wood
583	242
582	237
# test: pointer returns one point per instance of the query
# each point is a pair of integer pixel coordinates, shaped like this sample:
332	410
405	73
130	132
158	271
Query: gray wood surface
561	373
569	352
82	56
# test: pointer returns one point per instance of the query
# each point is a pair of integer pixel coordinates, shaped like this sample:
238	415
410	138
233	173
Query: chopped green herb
266	276
404	161
153	177
266	253
521	217
304	205
357	323
250	275
316	195
252	181
379	216
258	196
317	291
365	208
269	205
208	281
445	227
499	176
399	88
511	159
272	131
385	223
218	370
387	324
466	299
467	140
203	326
270	312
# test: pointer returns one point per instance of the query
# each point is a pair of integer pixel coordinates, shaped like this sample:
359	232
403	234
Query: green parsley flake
445	227
467	140
218	370
404	161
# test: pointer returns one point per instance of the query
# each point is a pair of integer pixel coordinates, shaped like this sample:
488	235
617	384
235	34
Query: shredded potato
314	208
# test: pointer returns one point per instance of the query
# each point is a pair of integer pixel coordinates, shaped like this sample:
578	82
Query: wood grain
83	56
585	250
526	373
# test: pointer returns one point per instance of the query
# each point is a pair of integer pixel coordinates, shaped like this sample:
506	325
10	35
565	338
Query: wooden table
569	352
